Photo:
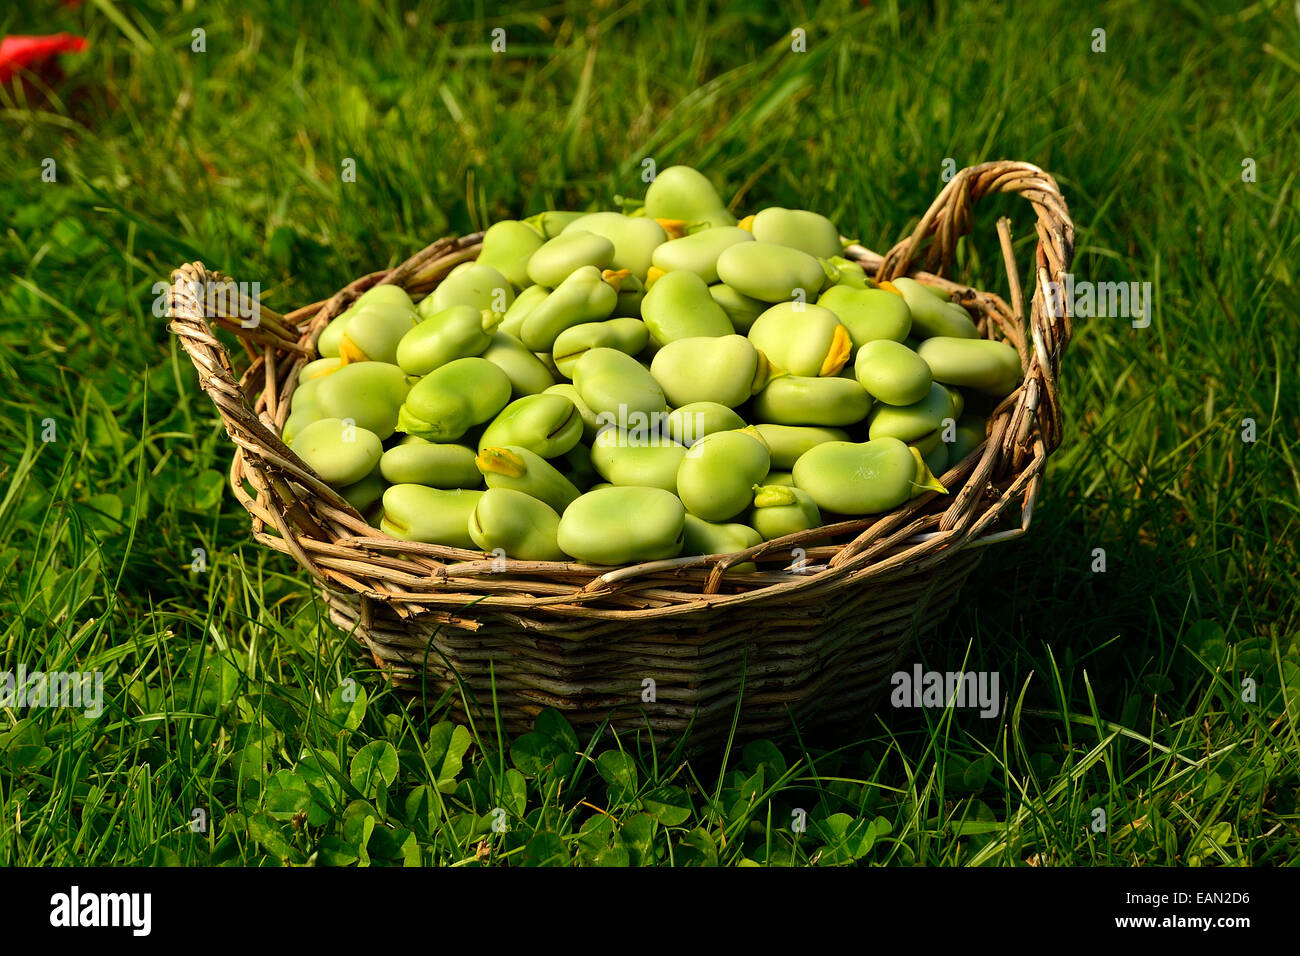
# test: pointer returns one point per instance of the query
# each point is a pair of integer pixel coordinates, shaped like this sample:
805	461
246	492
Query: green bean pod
868	314
430	515
910	422
507	247
892	373
523	470
622	525
369	393
453	398
374	331
547	424
568	252
933	315
679	306
629	460
805	400
417	461
616	385
680	192
799	229
783	509
859	478
582	297
717	474
474	284
459	331
516	523
340	453
724	369
772	273
981	364
802	339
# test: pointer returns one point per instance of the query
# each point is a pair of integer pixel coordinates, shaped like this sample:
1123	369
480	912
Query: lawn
1151	697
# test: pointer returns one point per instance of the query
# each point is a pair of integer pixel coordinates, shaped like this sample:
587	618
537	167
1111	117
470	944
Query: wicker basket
672	644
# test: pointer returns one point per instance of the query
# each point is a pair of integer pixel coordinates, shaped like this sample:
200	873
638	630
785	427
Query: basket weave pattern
813	634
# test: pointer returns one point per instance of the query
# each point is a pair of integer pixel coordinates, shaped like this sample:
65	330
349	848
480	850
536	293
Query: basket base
804	666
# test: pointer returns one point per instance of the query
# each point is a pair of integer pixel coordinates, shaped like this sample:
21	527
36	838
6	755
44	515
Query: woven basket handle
934	241
201	298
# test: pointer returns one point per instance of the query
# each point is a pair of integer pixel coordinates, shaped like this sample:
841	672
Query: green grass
228	690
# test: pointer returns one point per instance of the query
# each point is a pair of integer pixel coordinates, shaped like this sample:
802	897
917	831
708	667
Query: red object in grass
26	53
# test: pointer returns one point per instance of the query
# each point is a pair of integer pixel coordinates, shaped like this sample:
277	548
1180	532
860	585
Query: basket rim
328	537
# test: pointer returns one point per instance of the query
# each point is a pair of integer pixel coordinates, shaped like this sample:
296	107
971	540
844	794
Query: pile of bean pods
615	387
